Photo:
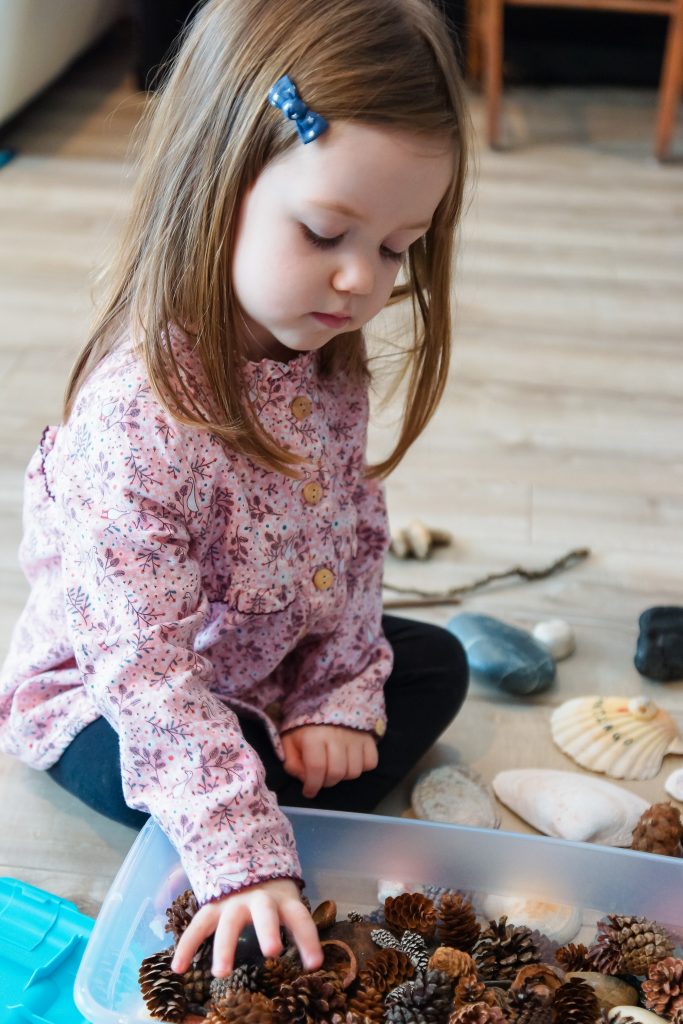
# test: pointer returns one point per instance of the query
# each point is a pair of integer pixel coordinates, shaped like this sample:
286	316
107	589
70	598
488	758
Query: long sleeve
339	677
135	604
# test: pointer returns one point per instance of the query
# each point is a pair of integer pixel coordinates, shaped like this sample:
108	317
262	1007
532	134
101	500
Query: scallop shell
569	805
622	737
674	784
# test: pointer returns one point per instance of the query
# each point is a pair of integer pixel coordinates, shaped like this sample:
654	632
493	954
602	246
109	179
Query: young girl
204	541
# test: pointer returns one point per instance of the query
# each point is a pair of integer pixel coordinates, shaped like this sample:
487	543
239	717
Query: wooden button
312	492
301	407
380	727
323	579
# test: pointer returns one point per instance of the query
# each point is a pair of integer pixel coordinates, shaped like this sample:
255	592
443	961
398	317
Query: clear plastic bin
343	856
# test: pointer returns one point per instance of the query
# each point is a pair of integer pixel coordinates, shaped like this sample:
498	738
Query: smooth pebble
557	636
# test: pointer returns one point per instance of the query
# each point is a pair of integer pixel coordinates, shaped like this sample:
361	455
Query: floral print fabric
174	583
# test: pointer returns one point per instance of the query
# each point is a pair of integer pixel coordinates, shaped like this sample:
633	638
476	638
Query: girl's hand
268	905
323	755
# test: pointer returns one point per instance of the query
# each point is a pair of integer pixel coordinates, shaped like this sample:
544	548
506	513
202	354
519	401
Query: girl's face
323	230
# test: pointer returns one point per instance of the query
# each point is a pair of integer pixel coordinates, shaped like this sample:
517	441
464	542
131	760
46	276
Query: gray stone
503	655
659	652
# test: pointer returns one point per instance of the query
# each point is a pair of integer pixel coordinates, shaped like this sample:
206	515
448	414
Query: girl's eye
391	255
321	242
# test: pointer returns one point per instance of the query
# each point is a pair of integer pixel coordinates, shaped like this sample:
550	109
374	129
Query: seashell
633	1013
571	806
674	784
557	636
455	795
417	540
624	738
557	921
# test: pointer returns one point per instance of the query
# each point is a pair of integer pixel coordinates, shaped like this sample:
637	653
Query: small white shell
622	737
568	805
674	784
556	920
557	636
634	1013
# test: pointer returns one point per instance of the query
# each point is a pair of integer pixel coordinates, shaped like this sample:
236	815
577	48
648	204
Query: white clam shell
571	806
622	737
556	920
674	784
557	636
634	1013
456	795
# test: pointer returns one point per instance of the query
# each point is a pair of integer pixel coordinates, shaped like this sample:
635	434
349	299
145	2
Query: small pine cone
273	973
659	830
539	980
469	990
367	1003
239	1006
411	911
629	945
162	989
572	957
457	924
181	912
427	998
663	989
503	949
387	969
478	1013
575	1002
452	962
310	997
246	976
414	945
384	939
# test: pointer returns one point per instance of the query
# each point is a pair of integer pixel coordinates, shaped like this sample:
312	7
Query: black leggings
423	695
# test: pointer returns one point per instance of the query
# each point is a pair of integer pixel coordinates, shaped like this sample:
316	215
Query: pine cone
663	989
457	922
308	998
452	962
367	1002
387	969
239	1006
384	939
426	999
528	1011
162	989
659	830
197	979
411	911
628	945
573	957
531	994
246	976
414	945
543	979
575	1002
478	1013
469	990
503	949
274	972
181	912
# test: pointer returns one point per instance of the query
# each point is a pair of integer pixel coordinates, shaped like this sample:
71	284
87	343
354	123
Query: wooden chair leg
670	83
473	42
492	24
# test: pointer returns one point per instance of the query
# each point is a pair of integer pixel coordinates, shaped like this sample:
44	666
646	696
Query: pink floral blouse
173	584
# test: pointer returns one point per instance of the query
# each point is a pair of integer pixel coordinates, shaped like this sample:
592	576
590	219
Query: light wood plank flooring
562	425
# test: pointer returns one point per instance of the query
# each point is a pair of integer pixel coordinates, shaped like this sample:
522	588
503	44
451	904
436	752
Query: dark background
542	46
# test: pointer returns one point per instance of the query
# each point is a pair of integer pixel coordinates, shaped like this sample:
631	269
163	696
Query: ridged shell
622	737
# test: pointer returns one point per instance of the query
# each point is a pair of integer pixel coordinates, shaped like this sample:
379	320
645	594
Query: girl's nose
354	275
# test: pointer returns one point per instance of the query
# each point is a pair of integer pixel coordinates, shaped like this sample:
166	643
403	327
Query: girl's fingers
370	755
231	922
355	763
315	770
337	764
299	924
293	763
200	927
267	926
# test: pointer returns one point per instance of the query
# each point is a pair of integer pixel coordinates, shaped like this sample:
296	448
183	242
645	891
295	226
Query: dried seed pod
452	962
162	989
340	960
325	914
411	911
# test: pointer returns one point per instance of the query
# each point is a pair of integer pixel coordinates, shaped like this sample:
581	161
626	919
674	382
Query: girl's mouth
331	321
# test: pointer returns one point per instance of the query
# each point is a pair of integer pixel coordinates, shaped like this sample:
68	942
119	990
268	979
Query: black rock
659	654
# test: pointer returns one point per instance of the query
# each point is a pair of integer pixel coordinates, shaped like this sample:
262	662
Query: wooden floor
562	425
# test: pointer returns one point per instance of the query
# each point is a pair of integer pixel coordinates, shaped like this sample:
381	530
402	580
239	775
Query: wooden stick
426	598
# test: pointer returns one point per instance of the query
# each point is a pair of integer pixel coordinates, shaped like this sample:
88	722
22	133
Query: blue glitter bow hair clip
284	96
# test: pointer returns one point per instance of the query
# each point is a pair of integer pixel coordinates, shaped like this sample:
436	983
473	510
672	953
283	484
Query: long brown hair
209	134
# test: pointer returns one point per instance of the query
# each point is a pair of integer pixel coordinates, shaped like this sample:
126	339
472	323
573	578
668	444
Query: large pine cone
663	988
181	912
162	989
239	1006
274	972
308	998
452	962
503	949
412	912
470	990
575	1002
246	976
572	957
628	945
386	969
659	830
457	924
197	979
367	1002
426	1000
478	1013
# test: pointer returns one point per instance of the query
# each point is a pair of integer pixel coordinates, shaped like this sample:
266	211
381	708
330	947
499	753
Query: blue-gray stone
503	655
